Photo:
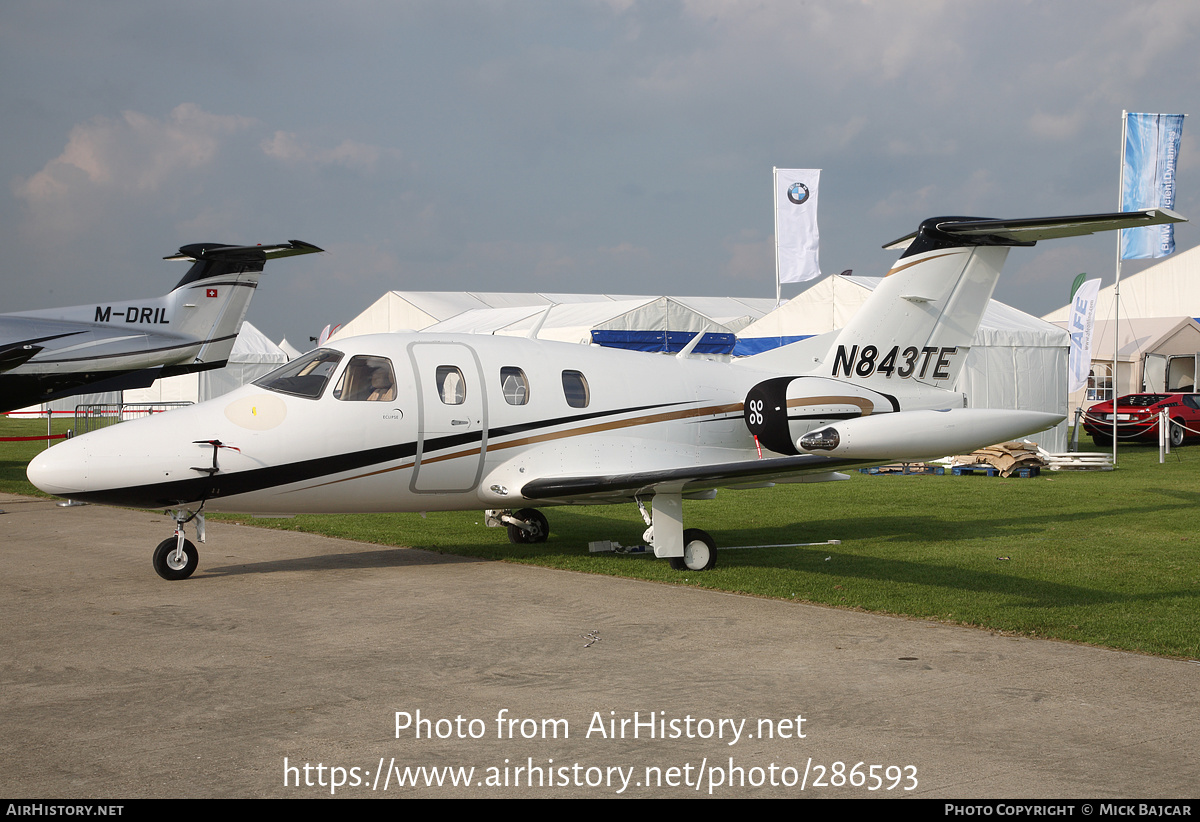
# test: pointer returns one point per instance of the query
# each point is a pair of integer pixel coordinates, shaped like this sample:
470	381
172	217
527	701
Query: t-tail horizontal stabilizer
243	253
956	232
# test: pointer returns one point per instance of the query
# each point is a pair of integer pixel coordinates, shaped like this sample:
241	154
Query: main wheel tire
1100	439
1177	433
534	517
699	552
168	566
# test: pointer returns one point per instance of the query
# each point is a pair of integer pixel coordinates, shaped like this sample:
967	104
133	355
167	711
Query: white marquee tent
419	310
575	322
1160	307
1169	289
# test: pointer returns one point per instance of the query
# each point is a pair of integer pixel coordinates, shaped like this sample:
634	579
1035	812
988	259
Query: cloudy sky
585	145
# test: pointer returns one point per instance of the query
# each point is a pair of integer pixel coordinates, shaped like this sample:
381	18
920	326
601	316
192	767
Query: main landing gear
525	527
699	552
685	549
176	557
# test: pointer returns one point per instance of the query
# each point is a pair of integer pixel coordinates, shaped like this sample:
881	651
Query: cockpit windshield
305	376
367	379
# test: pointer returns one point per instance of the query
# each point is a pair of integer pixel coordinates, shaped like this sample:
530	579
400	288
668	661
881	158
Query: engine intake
781	410
767	417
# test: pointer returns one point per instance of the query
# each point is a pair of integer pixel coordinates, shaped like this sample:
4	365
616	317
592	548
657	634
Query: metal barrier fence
101	415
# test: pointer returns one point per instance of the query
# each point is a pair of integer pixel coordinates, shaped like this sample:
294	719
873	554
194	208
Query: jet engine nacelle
781	410
922	435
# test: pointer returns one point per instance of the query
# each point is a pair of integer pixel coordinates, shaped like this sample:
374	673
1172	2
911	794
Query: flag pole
775	208
1117	283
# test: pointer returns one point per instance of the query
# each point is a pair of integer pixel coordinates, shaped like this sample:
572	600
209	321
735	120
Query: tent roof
420	310
252	345
289	349
1169	289
826	305
1143	335
485	320
575	321
830	303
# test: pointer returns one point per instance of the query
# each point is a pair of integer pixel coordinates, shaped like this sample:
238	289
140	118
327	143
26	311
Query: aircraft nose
59	470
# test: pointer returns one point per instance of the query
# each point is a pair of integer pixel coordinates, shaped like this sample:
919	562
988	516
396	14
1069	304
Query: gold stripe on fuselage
897	269
862	403
583	430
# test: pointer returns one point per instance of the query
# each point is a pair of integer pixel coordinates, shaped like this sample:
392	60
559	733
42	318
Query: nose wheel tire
534	518
699	552
169	565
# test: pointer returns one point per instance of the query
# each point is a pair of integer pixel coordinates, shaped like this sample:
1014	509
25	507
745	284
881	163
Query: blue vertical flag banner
796	241
1080	327
1148	180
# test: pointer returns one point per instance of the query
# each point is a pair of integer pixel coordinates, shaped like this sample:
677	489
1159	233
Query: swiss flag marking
212	292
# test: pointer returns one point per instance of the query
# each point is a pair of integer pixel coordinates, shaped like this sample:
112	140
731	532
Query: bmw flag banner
796	240
1080	327
1148	180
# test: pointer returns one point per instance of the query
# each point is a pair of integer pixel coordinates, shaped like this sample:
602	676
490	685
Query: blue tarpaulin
749	346
664	341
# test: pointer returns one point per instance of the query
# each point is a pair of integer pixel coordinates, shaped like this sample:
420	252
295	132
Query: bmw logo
798	193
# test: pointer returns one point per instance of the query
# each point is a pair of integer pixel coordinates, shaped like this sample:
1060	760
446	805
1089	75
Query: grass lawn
1107	558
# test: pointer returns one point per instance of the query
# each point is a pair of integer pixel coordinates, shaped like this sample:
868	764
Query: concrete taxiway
280	667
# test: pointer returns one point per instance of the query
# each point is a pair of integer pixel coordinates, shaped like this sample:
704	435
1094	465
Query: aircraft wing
13	355
688	479
18	352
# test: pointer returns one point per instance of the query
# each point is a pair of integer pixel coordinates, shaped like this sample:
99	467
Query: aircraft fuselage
518	410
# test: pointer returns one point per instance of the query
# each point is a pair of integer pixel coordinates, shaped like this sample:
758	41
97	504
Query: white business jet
424	422
61	352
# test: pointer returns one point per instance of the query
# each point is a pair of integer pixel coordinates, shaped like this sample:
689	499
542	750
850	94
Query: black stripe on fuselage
195	489
847	415
220	283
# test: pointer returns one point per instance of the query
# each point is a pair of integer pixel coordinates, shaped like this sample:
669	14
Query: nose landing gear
173	561
176	557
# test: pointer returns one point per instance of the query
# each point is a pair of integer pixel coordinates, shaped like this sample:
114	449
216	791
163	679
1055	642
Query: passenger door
452	418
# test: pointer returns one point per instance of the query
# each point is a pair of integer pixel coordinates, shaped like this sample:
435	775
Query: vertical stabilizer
211	300
919	323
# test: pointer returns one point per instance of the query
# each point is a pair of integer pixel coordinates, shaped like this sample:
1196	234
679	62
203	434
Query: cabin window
452	388
575	389
305	376
514	384
367	379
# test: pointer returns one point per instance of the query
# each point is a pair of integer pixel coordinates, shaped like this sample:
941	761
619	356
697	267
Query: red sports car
1137	418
